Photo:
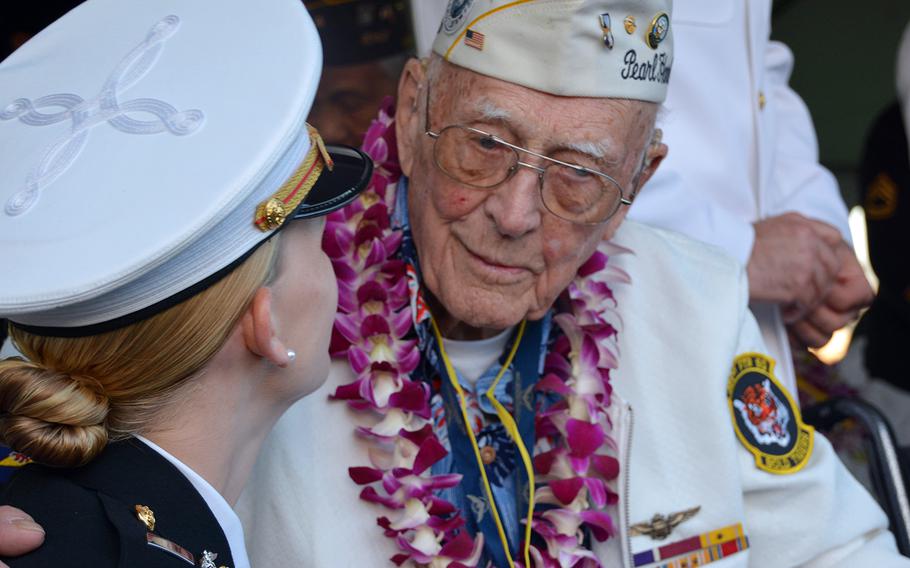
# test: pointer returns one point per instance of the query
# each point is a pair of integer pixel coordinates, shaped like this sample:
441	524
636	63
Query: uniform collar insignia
208	560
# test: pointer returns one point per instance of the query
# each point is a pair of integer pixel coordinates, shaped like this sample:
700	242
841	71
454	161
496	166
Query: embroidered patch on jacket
765	418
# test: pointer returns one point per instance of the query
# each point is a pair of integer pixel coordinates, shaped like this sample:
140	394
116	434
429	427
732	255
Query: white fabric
685	320
903	76
7	350
473	358
426	15
163	143
562	47
224	514
730	162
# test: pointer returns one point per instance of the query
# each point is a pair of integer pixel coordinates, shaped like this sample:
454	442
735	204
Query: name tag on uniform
170	547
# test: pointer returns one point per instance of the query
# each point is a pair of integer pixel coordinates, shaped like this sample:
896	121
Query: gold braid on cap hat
272	213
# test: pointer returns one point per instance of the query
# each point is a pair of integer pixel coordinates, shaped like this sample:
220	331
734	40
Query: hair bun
52	417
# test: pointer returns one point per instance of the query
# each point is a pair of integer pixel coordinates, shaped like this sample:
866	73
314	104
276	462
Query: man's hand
794	262
850	293
18	533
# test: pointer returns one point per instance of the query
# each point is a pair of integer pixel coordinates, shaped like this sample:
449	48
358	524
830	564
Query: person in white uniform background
145	279
744	169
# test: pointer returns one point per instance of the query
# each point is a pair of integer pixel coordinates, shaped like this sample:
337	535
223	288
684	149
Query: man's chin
485	309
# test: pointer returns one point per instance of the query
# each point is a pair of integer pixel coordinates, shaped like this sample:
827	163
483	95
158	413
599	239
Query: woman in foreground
166	324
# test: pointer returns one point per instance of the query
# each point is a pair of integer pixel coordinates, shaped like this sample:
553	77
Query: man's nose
515	206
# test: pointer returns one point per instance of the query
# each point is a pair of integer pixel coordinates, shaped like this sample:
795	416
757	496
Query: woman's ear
408	117
259	332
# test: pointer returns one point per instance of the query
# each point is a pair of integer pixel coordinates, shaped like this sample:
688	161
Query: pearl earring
292	355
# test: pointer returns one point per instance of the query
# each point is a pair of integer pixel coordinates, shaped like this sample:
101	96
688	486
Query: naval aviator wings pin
660	526
765	418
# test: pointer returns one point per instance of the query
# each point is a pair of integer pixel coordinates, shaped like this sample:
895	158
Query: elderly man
500	334
483	414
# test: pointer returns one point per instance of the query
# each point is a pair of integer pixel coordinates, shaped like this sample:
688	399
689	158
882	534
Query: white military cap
576	48
147	147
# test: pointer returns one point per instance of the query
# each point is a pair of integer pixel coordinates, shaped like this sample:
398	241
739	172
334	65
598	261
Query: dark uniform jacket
90	515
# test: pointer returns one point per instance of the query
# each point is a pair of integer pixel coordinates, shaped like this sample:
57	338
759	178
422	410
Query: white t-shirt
473	358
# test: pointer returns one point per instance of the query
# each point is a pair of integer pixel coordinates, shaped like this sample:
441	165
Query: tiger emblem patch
765	418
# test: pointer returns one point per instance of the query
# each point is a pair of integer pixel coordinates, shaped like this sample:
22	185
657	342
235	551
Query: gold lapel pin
146	515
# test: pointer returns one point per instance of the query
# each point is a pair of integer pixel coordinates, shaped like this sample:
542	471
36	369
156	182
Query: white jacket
733	161
685	319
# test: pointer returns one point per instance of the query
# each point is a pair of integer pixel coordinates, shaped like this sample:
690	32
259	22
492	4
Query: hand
794	262
850	293
18	533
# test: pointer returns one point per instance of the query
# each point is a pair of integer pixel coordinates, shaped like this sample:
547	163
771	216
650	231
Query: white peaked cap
140	140
575	48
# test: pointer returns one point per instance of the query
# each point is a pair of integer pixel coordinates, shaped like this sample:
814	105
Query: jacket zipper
625	489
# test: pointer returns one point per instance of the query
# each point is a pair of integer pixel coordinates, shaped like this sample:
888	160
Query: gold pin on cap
271	213
275	213
629	24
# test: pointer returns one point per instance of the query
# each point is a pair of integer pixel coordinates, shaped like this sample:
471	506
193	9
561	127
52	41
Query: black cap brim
336	188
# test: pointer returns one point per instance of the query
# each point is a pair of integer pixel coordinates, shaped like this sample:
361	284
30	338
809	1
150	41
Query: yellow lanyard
512	429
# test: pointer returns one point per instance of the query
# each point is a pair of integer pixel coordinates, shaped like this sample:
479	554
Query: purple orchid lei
574	458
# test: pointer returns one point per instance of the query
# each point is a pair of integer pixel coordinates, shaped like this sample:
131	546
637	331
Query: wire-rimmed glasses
483	160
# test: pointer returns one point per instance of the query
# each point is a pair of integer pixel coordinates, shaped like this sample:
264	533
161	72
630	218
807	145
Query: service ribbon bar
697	550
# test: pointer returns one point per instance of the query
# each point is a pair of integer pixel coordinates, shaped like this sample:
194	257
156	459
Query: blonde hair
73	395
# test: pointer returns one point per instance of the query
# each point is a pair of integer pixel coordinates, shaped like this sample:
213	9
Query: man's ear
655	154
259	333
408	117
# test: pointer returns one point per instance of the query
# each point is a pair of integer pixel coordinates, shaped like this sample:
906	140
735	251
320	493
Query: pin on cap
148	148
608	30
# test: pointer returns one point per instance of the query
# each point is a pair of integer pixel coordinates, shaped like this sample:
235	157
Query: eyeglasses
482	160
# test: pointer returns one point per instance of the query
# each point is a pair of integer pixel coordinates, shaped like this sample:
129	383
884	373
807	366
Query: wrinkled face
493	257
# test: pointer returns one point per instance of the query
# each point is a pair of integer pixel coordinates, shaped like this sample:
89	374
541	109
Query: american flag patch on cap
473	39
